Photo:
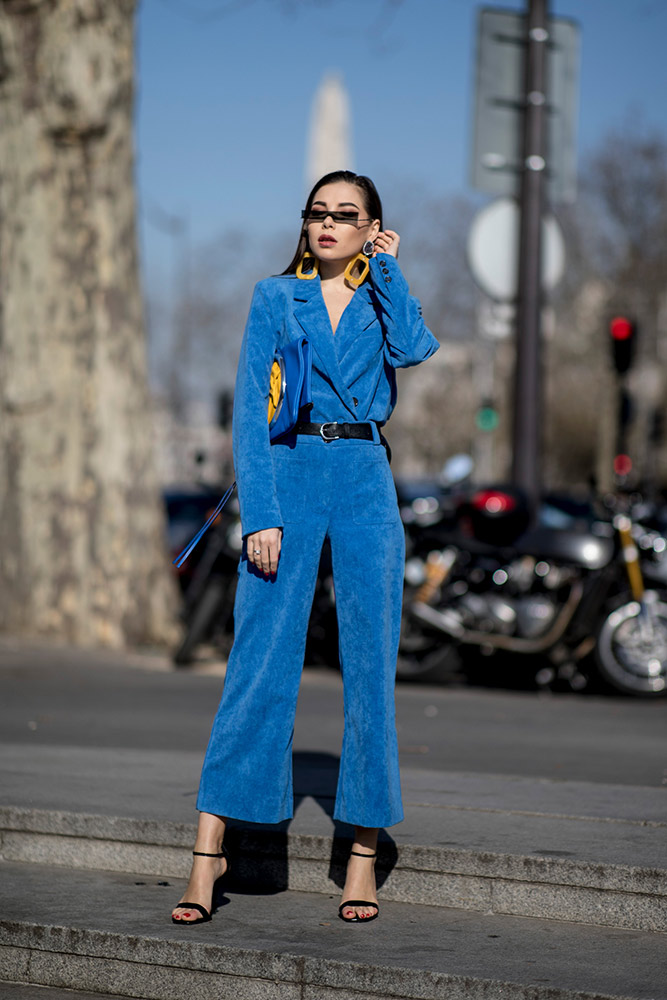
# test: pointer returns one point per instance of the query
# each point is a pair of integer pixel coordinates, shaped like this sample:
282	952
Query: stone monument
329	144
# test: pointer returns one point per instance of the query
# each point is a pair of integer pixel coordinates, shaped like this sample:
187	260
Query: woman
328	478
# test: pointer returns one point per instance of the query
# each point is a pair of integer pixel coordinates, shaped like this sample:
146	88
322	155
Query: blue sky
224	90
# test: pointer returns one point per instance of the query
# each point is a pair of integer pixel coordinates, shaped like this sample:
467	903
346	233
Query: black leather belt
332	431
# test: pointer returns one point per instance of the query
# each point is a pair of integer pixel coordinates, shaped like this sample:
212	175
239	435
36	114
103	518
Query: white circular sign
493	250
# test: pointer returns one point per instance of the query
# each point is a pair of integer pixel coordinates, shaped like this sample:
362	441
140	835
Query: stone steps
110	933
601	892
510	884
25	991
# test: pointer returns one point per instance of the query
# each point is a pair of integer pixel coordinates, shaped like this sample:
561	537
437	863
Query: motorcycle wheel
202	620
631	649
425	656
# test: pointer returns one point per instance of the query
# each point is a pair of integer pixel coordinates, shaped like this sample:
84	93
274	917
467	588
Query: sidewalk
497	884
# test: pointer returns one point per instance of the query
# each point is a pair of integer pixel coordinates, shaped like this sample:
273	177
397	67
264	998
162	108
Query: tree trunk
82	550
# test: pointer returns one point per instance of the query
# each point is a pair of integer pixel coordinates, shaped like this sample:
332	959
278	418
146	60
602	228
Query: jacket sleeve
253	462
408	341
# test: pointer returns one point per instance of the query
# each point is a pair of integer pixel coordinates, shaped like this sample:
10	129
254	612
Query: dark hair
371	199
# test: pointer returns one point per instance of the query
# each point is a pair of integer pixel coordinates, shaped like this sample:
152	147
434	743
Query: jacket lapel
357	319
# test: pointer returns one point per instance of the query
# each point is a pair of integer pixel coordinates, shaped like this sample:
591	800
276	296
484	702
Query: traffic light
622	465
623	332
486	418
626	410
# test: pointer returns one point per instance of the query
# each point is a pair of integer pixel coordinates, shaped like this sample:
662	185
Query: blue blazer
353	376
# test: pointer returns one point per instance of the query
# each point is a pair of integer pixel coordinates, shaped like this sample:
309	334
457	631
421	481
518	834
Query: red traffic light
623	333
621	328
622	465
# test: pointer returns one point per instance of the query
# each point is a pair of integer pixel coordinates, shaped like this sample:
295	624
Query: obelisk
329	143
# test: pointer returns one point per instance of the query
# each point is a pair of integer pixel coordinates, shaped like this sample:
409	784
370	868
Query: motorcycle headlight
415	572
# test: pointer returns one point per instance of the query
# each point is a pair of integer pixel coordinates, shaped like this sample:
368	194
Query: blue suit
341	490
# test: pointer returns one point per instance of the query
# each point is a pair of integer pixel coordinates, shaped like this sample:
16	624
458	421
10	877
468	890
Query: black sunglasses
319	215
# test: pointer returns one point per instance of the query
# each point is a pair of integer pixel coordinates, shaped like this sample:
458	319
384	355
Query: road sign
495	319
493	250
499	104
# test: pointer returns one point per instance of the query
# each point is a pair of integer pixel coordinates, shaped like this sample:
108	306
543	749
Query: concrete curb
561	889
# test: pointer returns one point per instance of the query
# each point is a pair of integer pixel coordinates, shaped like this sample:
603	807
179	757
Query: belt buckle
323	435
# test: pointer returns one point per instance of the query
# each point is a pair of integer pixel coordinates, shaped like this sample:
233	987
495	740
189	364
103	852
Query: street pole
527	425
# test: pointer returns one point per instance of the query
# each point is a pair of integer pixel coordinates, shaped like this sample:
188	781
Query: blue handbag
289	393
290	389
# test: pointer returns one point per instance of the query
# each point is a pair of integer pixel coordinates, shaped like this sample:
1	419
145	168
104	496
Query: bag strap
306	394
182	556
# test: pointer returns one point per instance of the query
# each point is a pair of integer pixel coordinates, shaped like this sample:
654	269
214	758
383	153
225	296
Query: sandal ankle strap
360	855
203	854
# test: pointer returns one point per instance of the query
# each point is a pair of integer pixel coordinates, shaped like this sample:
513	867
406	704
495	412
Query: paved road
67	697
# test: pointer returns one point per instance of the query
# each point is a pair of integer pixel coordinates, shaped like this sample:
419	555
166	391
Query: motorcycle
575	595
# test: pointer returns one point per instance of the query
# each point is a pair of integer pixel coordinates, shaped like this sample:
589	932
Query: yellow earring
312	273
365	268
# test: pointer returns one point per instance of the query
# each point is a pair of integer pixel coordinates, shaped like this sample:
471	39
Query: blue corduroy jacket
353	376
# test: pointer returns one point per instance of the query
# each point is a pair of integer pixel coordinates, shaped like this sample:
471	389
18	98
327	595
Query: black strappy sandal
359	902
205	914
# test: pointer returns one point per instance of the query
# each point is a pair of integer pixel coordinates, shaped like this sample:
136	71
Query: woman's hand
263	548
387	242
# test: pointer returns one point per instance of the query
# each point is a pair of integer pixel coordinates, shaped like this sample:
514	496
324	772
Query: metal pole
527	428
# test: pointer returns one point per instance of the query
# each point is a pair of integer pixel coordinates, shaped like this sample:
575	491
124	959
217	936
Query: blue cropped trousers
342	490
